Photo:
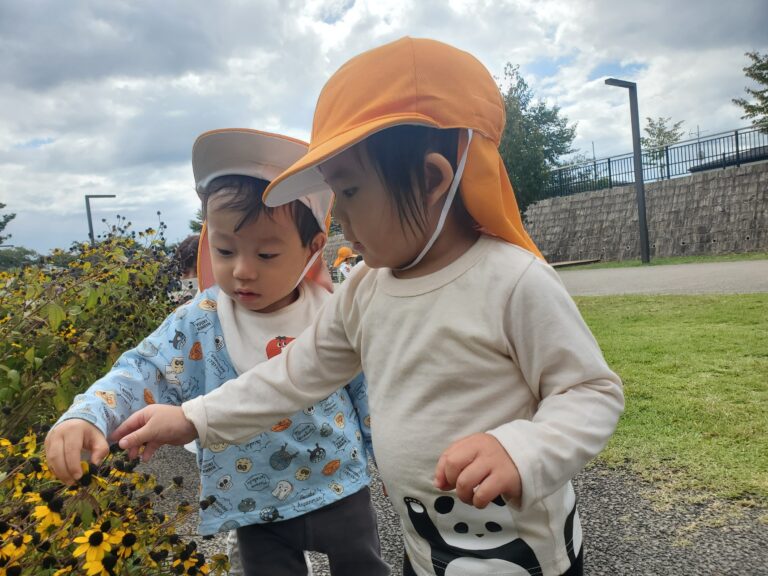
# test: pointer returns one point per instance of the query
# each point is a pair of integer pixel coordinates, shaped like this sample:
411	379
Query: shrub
105	525
65	320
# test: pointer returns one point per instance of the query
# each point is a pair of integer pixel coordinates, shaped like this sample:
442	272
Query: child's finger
73	447
487	491
128	433
450	465
469	479
99	449
54	456
149	451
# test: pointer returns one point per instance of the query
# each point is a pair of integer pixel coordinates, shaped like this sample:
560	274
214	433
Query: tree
5	219
658	135
17	257
196	225
534	138
756	111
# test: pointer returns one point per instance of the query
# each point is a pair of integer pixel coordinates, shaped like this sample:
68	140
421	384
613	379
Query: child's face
258	265
367	213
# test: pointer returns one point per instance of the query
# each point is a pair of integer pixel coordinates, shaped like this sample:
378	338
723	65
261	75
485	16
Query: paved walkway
714	277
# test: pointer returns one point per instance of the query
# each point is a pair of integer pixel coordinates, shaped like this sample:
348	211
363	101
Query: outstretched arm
321	360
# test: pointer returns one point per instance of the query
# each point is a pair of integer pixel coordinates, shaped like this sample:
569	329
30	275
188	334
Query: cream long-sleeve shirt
491	343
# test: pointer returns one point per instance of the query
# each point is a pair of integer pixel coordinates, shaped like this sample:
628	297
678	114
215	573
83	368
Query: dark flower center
129	540
96	538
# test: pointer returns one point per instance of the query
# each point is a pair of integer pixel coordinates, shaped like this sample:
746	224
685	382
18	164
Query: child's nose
245	269
339	214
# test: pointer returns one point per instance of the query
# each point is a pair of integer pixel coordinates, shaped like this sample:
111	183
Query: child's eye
267	256
223	252
349	192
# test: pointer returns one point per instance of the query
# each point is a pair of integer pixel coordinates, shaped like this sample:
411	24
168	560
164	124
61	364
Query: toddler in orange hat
487	391
345	260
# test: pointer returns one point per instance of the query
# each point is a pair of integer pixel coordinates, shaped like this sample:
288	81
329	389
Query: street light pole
88	212
645	252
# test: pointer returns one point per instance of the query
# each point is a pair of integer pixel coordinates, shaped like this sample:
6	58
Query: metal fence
681	159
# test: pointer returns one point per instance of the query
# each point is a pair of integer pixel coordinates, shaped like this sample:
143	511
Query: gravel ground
626	532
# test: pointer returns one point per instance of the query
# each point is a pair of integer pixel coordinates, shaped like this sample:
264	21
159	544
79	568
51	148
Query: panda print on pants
467	540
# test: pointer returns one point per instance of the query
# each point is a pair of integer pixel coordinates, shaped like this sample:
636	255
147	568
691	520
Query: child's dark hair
186	253
398	153
244	195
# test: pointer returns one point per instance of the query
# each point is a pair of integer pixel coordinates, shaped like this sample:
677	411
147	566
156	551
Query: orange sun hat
422	82
342	254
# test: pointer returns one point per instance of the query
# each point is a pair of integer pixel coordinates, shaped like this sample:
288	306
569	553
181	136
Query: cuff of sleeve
194	411
512	436
87	416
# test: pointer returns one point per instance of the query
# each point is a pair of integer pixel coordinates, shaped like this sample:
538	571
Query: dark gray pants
345	531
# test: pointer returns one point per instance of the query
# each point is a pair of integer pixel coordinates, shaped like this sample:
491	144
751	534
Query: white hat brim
246	152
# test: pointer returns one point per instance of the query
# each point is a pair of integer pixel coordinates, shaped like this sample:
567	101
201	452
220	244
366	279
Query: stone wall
715	212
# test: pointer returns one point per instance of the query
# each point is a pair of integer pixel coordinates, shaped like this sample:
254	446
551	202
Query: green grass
674	260
695	372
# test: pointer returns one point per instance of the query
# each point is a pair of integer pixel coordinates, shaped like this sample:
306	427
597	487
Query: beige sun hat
263	155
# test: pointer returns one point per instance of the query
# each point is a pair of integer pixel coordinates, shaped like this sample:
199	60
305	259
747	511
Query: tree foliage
659	133
17	257
5	219
535	137
757	110
196	225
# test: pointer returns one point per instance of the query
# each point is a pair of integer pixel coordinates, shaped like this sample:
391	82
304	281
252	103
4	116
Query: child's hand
64	444
480	469
153	426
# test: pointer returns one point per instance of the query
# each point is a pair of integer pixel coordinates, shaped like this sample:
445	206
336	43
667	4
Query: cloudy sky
107	97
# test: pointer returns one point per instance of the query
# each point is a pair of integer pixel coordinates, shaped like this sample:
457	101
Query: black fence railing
719	151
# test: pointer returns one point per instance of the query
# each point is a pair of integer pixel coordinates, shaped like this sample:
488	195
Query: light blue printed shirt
312	459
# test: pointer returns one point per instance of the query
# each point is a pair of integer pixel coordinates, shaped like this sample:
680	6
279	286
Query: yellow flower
63	571
4	569
93	545
95	568
128	543
15	547
47	517
32	497
30	443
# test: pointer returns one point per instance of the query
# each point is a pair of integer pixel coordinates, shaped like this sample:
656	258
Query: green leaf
66	375
13	376
62	399
75	310
29	355
55	315
92	300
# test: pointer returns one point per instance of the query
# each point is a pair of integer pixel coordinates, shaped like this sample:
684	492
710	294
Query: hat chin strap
307	268
446	206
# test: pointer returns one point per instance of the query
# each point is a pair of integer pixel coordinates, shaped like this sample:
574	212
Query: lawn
695	371
676	260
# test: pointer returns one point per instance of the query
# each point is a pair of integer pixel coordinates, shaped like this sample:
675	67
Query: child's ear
318	242
438	175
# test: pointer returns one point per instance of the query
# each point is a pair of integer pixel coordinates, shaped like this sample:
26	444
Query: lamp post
88	211
645	253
